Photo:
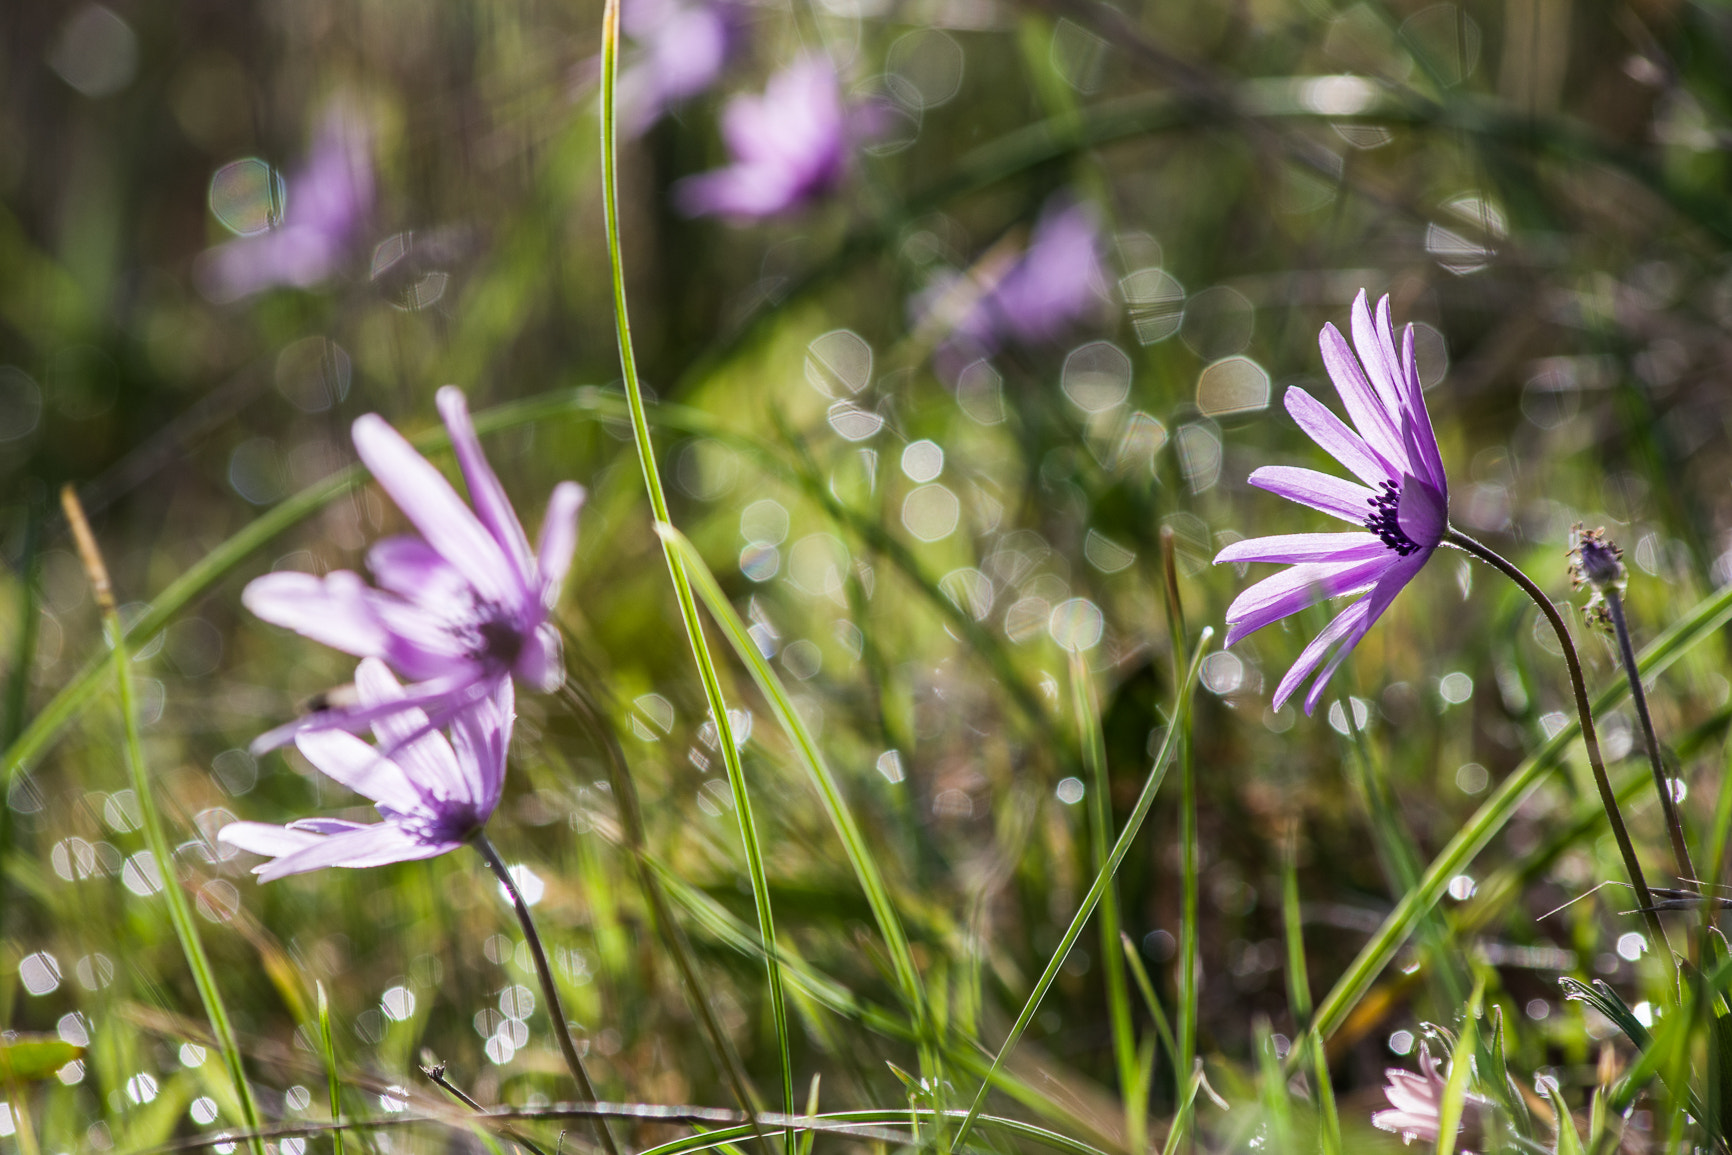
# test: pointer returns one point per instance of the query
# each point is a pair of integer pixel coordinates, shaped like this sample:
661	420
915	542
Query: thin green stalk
1454	1099
1190	942
1299	998
730	752
1094	758
549	991
328	1053
636	841
1639	699
179	909
1585	718
1140	974
1121	847
854	844
1703	621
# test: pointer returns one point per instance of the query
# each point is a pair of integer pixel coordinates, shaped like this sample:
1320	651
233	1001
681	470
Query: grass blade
1181	716
328	1054
688	607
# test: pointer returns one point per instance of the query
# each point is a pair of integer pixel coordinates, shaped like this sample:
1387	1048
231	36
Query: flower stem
1668	804
555	1009
1590	740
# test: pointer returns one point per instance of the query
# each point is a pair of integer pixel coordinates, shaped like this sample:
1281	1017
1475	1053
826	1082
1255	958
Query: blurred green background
1540	184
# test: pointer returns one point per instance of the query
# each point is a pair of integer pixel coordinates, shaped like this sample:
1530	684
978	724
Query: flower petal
1374	420
1421	513
1378	600
485	492
407	736
1376	350
264	838
1316	650
346	759
1413	406
428	500
410	568
337	610
1294	548
541	663
1333	495
1291	590
558	540
1336	439
481	736
375	845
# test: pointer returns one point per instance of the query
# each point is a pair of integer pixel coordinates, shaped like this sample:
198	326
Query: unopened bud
1596	562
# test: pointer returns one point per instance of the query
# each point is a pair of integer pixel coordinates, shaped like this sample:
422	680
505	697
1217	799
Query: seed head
1596	562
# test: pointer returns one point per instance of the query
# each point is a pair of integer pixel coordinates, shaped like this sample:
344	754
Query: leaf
1569	1143
29	1058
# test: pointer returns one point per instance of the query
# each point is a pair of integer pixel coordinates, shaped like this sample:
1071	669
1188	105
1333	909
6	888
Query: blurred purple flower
789	146
1416	1103
1055	283
683	46
325	205
1404	501
457	609
432	793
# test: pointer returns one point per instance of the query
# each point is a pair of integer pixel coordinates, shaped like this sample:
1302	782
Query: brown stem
1584	714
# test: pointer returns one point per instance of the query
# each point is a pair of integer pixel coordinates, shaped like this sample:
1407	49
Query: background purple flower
683	48
325	205
457	608
1403	502
788	146
432	793
1416	1104
1056	282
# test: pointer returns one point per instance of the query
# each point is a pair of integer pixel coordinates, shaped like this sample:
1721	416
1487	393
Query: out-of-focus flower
432	793
459	608
1404	501
683	46
1416	1102
325	205
789	146
1055	283
1596	562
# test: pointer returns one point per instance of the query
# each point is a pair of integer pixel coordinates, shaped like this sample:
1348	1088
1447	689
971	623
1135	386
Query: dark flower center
1385	520
453	823
500	642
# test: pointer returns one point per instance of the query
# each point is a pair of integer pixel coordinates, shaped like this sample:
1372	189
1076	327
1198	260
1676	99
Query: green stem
726	747
1639	698
1121	847
550	992
156	838
1094	757
1585	715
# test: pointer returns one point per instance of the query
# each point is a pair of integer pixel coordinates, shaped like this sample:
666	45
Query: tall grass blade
729	750
328	1055
1145	800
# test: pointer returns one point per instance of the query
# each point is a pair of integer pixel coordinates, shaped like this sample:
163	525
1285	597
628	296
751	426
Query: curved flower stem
1584	713
1668	804
555	1009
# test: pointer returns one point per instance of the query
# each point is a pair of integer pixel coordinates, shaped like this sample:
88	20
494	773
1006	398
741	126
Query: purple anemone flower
457	609
1055	283
1403	503
432	793
325	205
1416	1104
684	47
789	146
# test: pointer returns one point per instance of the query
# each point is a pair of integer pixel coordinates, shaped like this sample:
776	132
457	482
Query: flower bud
1595	562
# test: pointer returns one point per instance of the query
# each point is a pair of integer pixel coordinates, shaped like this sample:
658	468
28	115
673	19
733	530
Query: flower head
325	204
458	608
432	793
1598	563
1401	500
1416	1103
684	47
789	145
1052	284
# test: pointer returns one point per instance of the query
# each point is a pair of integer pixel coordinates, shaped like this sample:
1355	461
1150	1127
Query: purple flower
325	205
432	793
683	50
457	609
1403	503
789	146
1055	283
1416	1103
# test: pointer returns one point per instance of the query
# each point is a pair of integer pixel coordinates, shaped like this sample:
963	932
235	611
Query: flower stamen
1385	520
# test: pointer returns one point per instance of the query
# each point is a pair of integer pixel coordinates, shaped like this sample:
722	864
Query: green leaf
29	1058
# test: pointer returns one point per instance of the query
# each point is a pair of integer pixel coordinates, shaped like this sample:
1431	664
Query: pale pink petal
410	568
491	504
558	541
346	759
376	845
263	838
337	610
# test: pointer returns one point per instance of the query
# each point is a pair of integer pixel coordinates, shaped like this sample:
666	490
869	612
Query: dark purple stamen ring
1385	520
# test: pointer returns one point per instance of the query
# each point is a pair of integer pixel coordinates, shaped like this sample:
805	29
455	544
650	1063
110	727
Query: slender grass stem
728	749
1121	847
1299	998
1584	714
625	794
1639	698
436	1073
328	1053
1094	757
549	991
179	910
1190	941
